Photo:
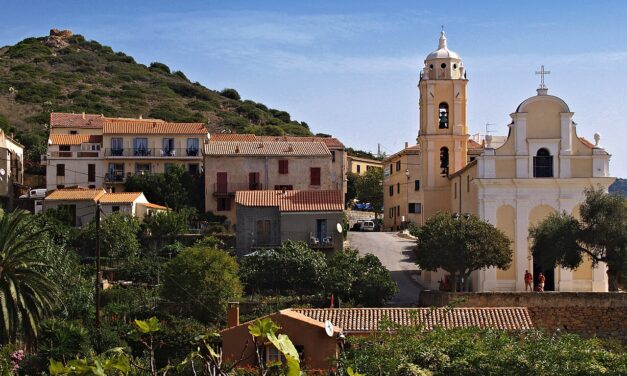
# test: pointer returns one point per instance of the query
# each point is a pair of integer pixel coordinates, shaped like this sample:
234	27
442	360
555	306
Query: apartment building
95	151
11	167
359	165
238	162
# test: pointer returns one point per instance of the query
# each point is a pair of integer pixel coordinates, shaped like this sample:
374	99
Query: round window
454	66
443	65
431	66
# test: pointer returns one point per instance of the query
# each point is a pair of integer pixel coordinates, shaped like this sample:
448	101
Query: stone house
235	162
266	219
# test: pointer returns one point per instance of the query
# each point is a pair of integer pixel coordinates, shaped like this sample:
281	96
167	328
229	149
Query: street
396	255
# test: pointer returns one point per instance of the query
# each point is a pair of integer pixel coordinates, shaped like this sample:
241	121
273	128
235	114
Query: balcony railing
75	154
231	188
153	152
115	176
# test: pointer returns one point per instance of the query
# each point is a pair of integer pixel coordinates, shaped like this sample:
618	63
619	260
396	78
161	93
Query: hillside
67	73
620	186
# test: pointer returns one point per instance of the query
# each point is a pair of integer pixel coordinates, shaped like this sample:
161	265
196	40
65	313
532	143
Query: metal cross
542	72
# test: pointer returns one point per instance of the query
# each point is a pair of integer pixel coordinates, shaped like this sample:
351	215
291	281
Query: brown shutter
315	175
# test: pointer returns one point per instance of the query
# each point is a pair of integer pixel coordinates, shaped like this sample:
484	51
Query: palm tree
26	294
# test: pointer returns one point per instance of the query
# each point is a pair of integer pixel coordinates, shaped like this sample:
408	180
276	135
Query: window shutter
314	175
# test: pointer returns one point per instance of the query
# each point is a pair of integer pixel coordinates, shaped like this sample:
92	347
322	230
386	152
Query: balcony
153	153
229	189
72	154
320	240
115	176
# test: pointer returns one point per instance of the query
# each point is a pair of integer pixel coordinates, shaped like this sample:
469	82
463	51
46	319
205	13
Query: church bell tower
443	131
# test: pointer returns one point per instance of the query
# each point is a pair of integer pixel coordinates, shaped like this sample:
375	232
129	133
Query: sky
351	68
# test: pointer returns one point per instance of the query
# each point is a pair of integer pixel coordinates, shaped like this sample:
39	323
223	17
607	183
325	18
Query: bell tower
443	131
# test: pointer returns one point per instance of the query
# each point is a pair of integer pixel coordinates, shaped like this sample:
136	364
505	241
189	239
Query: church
541	167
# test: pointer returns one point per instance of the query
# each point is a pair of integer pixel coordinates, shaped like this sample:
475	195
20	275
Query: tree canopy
369	188
461	244
601	234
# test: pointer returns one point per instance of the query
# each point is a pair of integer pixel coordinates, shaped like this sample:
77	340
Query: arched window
543	164
443	115
444	161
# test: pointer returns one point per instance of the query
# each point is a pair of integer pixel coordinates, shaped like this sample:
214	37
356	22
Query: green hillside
67	73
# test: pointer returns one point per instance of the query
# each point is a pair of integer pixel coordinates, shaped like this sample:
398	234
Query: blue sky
351	68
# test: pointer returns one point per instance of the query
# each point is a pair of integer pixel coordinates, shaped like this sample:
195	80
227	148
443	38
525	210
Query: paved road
395	254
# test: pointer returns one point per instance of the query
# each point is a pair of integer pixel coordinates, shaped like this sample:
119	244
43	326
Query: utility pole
98	273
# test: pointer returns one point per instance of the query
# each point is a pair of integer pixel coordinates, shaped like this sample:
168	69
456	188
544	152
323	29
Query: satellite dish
339	228
328	328
2	172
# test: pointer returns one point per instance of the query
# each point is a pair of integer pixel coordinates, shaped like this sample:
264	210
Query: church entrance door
549	275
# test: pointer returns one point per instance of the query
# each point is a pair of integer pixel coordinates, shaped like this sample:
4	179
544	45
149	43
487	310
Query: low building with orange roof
81	203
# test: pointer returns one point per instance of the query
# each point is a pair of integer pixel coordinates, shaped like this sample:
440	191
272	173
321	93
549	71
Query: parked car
357	225
367	226
36	193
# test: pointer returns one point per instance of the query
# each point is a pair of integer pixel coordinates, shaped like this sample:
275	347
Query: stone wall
584	313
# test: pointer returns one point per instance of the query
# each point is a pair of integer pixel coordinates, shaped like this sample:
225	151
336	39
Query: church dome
443	52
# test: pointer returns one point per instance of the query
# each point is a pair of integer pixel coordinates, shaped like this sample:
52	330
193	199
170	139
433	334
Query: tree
202	280
230	93
369	188
351	186
601	235
361	280
26	294
118	236
460	245
293	267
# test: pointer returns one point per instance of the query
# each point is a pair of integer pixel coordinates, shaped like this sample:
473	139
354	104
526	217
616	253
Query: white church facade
542	168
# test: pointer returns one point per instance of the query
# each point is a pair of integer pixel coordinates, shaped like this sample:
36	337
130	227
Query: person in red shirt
528	281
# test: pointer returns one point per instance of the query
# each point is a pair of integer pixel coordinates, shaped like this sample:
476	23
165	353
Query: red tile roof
153	206
75	194
586	142
157	127
292	201
330	142
472	144
311	149
59	120
120	198
366	320
74	139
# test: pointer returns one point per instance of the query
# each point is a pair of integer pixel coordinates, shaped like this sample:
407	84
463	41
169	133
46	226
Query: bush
230	93
159	67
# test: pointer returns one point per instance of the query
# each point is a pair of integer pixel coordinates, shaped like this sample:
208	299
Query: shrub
230	93
159	67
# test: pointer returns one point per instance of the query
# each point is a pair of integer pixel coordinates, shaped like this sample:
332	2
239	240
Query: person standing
541	281
528	281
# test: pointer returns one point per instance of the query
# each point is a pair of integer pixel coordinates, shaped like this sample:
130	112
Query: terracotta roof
330	142
463	169
366	160
120	198
292	201
59	120
234	148
74	139
413	150
367	320
75	194
136	126
472	144
586	142
153	206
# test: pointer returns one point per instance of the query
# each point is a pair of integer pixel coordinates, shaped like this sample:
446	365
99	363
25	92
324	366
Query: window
358	169
64	147
116	171
263	232
314	175
332	155
115	209
398	187
140	147
117	146
168	149
391	190
391	169
60	170
192	147
283	166
222	182
142	168
455	190
443	115
398	165
390	212
283	187
543	164
253	181
415	208
398	210
91	172
273	355
443	65
444	161
416	185
224	204
193	168
73	132
467	183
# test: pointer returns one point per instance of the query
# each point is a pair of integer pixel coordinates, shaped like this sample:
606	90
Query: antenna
487	128
328	328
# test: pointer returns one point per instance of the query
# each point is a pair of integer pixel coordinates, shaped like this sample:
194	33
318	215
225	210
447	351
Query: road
396	255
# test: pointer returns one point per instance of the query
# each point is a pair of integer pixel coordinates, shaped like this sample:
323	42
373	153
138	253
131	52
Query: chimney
83	114
406	144
140	117
232	316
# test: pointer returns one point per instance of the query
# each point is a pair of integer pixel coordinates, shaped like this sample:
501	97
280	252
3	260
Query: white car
367	226
36	193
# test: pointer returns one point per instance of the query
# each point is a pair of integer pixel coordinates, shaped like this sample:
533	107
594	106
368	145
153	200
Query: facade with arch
542	168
